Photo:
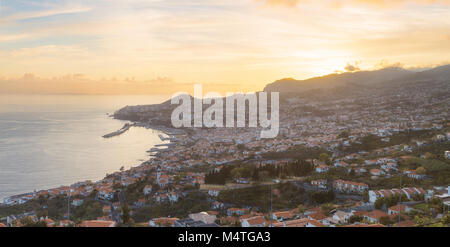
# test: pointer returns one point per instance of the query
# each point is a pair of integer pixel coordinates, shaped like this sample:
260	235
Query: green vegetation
320	197
299	152
344	134
372	142
354	219
437	169
126	218
427	221
193	202
389	201
241	146
386	220
90	209
28	222
296	168
54	208
284	196
135	191
324	157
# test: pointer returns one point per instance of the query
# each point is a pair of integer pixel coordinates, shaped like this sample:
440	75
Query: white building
147	189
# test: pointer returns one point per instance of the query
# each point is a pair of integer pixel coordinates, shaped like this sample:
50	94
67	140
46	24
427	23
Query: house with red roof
256	221
283	215
395	209
98	223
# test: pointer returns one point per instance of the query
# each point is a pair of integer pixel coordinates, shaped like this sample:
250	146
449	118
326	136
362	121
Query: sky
162	46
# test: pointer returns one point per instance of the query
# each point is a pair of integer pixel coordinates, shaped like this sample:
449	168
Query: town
374	157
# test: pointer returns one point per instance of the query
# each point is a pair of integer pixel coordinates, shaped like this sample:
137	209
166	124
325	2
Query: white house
394	209
106	194
320	183
214	192
147	189
341	217
173	197
415	175
349	186
376	172
204	217
77	202
340	164
322	168
409	192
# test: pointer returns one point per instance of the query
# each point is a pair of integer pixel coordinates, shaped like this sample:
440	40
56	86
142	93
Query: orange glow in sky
157	46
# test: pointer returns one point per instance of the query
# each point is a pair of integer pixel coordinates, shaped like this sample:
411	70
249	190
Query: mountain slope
361	78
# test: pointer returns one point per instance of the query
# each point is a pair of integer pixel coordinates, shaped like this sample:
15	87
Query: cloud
383	64
395	3
47	50
289	3
44	13
352	67
30	83
352	3
13	37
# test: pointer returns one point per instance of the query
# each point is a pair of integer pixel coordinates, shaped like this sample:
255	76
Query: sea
51	140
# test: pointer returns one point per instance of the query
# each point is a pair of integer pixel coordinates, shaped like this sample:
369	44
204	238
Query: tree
355	218
422	221
417	197
365	196
126	214
28	222
236	173
324	157
352	173
240	146
446	219
429	155
263	175
42	200
385	220
326	208
379	202
301	208
344	134
421	170
320	197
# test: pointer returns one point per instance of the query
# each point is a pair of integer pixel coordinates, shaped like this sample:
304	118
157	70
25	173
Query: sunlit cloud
245	44
30	83
43	13
353	3
352	67
290	3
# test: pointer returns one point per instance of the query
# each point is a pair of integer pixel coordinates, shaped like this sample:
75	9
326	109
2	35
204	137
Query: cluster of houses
204	149
409	192
349	186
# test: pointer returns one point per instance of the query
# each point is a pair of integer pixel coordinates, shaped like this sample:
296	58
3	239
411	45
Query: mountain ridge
360	78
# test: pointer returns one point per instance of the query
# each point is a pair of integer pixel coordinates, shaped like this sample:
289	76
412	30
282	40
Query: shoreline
170	132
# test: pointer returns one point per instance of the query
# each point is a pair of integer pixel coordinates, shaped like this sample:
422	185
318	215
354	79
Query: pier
124	129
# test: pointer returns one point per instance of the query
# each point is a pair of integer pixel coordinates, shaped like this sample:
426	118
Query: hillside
362	79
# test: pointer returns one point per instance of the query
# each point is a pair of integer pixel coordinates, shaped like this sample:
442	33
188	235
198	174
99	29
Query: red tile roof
97	223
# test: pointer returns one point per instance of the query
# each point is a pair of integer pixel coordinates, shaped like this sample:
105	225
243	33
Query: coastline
157	149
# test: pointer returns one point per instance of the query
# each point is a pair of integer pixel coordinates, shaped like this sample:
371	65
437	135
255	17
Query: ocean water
51	140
